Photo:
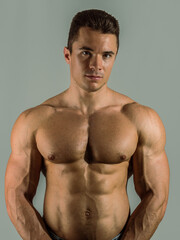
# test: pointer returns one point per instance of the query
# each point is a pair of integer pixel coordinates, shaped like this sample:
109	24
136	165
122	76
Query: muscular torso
86	159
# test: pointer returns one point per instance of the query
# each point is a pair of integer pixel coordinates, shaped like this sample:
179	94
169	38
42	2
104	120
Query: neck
88	102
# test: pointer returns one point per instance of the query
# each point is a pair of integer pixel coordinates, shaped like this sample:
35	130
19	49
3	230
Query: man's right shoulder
34	116
37	112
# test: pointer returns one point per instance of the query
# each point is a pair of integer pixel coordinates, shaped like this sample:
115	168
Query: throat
88	102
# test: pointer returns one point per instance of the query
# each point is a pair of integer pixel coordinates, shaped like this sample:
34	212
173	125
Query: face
92	58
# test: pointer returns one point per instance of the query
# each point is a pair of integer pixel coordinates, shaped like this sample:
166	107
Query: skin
87	141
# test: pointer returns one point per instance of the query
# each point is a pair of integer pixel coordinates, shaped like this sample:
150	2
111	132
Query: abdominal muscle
86	201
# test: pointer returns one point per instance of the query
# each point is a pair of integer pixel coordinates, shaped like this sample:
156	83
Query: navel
51	157
87	213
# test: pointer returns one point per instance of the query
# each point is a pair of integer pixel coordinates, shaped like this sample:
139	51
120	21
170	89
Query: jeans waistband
55	237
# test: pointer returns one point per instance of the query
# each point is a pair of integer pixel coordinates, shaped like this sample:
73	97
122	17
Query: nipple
51	157
123	157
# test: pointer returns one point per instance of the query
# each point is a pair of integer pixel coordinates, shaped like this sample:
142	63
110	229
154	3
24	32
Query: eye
107	55
86	53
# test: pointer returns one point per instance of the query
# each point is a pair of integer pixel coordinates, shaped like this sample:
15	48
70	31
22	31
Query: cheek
78	63
108	67
74	64
77	68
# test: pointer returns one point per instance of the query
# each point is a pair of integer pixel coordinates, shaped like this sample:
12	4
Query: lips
93	77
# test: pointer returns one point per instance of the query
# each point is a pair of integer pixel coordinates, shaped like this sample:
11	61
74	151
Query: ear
67	55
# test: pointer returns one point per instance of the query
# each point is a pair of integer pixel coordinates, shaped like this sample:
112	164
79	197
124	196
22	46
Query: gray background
32	69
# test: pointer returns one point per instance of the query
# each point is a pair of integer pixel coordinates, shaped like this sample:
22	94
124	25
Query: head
97	20
92	47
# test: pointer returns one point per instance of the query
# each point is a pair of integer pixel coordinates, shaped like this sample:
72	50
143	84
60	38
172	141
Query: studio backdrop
33	34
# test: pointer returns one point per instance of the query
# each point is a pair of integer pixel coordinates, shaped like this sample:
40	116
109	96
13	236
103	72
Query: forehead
95	39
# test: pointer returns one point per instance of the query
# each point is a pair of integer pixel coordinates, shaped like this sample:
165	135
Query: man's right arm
21	180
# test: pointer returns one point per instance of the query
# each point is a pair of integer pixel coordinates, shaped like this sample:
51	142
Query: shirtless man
87	141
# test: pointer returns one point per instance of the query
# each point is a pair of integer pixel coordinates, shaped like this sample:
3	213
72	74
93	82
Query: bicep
22	174
150	164
151	173
24	165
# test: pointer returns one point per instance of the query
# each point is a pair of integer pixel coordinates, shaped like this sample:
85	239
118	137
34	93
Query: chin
93	88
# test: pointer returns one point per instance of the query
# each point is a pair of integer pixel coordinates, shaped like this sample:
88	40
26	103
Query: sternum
88	151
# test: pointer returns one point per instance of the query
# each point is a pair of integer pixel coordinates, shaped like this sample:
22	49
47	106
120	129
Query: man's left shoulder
140	112
147	121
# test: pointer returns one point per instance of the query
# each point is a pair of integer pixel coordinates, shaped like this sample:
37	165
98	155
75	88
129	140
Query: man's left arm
151	177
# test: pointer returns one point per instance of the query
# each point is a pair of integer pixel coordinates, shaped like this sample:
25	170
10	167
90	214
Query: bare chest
105	137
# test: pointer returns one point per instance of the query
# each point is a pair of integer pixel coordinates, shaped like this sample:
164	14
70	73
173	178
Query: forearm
145	219
27	221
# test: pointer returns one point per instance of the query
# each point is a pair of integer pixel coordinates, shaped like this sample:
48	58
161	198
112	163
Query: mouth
93	77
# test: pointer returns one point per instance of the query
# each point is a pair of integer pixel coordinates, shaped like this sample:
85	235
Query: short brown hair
98	20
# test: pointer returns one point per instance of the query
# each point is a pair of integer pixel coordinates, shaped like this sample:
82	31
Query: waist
55	237
86	213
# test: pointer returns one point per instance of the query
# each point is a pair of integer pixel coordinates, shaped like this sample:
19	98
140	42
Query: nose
95	63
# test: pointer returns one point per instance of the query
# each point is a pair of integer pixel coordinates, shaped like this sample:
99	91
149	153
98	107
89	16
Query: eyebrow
90	49
86	48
